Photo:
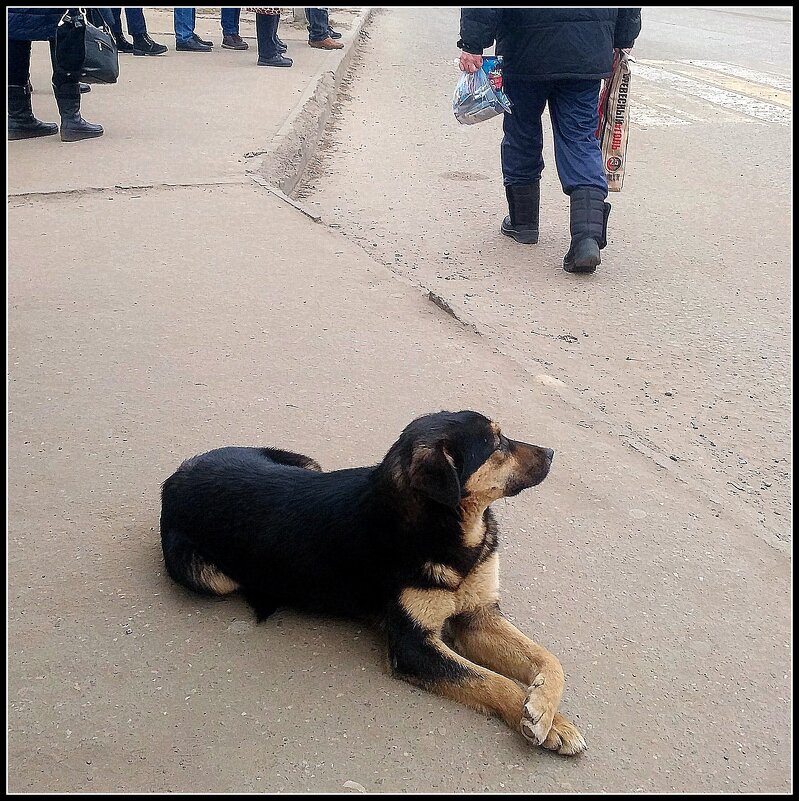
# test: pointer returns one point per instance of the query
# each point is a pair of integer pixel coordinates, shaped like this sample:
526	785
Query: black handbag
85	48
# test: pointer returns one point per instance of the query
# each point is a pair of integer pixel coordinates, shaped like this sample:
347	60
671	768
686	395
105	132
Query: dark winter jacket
551	43
33	24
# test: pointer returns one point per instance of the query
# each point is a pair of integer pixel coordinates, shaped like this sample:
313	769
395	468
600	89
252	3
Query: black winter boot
588	224
84	88
73	126
522	222
21	122
143	45
123	45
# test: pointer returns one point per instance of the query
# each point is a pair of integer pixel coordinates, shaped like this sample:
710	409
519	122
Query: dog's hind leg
487	638
190	568
262	603
291	459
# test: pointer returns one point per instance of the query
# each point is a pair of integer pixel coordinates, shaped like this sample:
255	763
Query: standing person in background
320	34
231	40
142	44
185	37
26	25
554	56
270	48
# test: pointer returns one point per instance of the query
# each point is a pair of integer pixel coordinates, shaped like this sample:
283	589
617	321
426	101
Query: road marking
736	79
766	78
649	117
734	101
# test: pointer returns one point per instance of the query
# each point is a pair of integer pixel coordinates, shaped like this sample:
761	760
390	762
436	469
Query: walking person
270	48
320	34
556	57
142	44
27	25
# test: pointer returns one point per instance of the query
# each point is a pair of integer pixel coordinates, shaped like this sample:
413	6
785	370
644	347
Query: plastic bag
478	95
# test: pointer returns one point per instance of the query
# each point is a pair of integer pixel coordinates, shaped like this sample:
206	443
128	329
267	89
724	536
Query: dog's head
449	456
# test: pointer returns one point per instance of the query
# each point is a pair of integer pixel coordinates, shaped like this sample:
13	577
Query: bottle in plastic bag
479	95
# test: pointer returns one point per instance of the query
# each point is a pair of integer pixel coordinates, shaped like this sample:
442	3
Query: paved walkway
192	308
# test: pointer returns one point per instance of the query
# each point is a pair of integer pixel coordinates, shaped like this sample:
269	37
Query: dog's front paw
564	737
538	711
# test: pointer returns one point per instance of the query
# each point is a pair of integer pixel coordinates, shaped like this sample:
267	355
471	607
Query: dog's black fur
363	542
342	543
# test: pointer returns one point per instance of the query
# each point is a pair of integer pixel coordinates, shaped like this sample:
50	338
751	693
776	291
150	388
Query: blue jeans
318	24
185	19
230	20
573	109
135	19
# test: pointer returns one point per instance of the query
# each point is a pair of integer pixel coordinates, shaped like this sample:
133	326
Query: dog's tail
188	567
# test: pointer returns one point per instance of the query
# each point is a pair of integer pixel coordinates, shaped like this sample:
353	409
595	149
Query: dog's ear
433	473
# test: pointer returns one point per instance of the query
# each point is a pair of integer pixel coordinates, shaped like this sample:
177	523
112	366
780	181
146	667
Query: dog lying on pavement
410	543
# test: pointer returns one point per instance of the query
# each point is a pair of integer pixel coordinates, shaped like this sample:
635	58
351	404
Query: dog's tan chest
430	608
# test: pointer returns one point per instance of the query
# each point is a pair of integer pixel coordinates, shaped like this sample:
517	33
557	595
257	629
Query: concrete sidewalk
189	118
198	309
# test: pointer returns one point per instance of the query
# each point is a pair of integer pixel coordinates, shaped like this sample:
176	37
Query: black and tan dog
410	542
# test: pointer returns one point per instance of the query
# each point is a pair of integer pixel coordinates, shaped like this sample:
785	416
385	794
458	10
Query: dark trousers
573	109
266	31
134	18
229	20
19	65
318	24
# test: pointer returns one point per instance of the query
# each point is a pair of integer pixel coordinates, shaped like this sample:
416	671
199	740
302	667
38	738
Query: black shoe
84	87
588	224
73	126
276	61
143	45
21	122
202	41
191	46
333	34
281	45
232	41
123	45
521	223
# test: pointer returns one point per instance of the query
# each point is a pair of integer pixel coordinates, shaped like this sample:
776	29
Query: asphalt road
681	340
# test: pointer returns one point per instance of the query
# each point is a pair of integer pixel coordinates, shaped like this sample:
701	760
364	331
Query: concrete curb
295	144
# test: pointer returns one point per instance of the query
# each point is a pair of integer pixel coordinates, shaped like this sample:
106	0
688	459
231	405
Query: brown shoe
326	44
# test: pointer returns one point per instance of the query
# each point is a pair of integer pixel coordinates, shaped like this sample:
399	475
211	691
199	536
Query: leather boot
326	44
21	122
84	87
521	223
73	126
232	41
123	45
143	45
588	224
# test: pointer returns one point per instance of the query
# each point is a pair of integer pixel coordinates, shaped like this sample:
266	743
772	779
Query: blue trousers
318	24
135	19
230	20
185	19
573	109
